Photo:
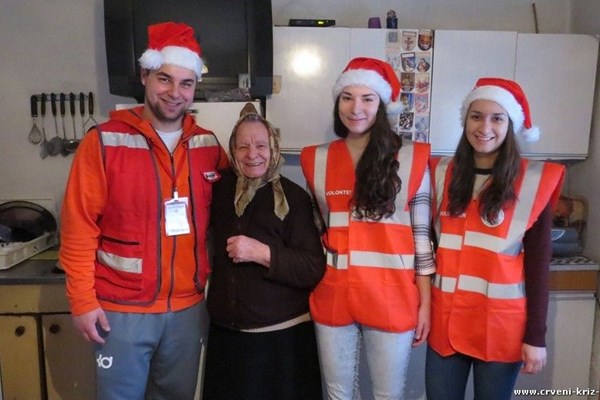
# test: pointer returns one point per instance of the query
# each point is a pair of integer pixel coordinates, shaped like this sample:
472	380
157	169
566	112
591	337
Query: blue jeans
151	356
387	359
446	377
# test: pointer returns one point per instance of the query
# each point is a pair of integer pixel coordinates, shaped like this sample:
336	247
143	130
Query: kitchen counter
37	270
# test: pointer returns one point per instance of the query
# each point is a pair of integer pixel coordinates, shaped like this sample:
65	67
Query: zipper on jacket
172	264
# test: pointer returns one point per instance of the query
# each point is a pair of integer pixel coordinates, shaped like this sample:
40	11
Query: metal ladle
56	141
70	145
35	135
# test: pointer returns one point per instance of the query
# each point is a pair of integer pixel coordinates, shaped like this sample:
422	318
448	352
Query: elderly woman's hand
245	249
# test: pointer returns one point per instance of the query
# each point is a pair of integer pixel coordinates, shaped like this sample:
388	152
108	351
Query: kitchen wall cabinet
460	58
41	354
557	72
306	63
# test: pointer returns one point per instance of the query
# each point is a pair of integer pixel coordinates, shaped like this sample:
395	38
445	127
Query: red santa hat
509	95
172	43
375	74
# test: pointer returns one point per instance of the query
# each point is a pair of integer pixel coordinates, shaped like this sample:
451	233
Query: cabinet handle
54	328
19	330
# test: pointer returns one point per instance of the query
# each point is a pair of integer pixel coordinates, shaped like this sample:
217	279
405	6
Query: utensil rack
66	134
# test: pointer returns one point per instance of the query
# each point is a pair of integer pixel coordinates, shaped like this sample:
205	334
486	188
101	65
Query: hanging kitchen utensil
91	111
45	146
69	145
65	142
72	109
35	135
57	142
82	112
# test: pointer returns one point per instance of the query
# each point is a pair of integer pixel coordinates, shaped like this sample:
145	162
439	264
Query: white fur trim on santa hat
498	95
175	55
364	77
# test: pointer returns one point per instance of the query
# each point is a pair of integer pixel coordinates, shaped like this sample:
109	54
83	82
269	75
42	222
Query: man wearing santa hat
133	236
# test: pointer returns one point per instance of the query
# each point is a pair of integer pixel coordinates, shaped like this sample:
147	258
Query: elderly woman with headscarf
267	259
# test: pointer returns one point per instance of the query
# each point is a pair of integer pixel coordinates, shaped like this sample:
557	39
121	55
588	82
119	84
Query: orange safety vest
370	275
128	264
478	293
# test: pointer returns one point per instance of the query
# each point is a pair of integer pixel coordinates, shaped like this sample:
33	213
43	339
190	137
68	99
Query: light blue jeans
387	356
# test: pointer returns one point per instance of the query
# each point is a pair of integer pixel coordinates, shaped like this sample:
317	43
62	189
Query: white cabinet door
366	42
459	59
220	117
306	63
558	73
569	344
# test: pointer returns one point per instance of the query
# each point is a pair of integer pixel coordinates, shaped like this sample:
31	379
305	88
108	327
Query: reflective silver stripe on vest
405	157
382	260
478	285
319	180
337	261
338	219
197	141
116	139
125	264
491	290
371	260
444	283
452	242
512	244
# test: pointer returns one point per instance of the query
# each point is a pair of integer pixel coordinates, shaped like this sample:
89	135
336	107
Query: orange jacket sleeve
83	204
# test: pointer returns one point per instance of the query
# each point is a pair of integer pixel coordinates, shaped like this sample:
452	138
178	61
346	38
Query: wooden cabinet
557	72
19	358
68	360
41	354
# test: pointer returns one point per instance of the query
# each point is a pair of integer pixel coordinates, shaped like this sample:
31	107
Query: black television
236	37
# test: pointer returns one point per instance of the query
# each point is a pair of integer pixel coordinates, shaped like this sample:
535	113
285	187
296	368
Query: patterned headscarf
246	187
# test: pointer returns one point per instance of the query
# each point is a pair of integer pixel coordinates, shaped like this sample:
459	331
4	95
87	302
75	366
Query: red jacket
113	242
370	275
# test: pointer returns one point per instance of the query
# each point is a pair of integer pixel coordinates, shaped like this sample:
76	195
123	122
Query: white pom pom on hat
375	74
509	95
172	43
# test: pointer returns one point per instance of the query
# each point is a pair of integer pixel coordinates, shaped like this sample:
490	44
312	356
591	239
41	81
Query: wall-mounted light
306	62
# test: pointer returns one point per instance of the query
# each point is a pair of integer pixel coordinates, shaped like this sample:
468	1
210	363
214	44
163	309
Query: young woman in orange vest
492	220
373	194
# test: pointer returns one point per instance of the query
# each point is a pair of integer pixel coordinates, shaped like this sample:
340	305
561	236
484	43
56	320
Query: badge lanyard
176	220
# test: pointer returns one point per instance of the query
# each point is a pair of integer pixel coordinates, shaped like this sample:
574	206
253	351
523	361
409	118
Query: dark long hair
500	192
377	180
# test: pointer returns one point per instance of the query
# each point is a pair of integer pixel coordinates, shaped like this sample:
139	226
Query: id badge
176	221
